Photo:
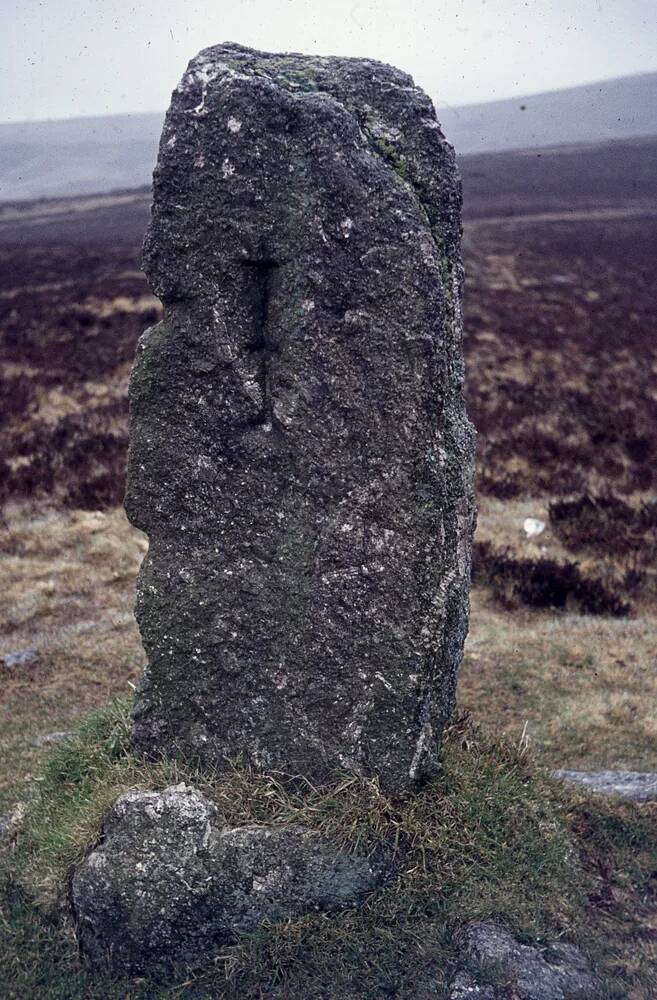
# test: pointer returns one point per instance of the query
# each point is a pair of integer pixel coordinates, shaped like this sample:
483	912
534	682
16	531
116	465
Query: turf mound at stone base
491	838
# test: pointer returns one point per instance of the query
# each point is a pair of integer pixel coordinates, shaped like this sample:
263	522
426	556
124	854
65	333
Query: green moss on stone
388	152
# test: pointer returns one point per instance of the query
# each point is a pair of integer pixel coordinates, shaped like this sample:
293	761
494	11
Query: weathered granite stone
557	972
640	786
466	987
169	882
300	455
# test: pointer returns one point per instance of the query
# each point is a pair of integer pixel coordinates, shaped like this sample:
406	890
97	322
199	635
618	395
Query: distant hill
82	156
77	156
577	178
598	112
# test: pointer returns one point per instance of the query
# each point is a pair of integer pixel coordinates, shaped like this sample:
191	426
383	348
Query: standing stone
300	455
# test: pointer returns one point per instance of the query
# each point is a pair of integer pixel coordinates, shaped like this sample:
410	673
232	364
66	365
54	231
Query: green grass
490	837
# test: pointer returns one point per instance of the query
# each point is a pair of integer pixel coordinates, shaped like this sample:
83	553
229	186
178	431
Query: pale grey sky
63	58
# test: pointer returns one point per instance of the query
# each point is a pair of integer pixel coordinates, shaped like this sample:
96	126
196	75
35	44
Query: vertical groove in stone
300	455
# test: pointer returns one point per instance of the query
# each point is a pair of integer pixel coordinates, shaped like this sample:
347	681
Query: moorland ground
561	356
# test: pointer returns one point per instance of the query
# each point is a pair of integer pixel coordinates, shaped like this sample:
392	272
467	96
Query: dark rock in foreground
640	786
169	883
300	455
557	972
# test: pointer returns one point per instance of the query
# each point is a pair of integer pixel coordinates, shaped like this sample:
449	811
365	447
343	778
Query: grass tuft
485	839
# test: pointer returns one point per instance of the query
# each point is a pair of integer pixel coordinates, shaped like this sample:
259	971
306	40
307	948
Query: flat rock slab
300	456
557	972
640	786
170	883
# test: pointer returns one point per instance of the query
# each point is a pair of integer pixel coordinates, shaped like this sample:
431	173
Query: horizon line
438	104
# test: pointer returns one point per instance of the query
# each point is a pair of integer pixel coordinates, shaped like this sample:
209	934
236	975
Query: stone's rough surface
300	455
465	987
168	882
641	786
558	972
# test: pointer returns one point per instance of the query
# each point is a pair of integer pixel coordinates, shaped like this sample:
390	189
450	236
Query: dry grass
583	688
560	355
68	593
559	338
